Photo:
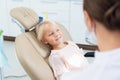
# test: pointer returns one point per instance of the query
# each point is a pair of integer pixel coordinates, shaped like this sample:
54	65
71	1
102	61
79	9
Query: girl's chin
60	40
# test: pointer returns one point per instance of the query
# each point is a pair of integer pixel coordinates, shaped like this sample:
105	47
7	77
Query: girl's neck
60	46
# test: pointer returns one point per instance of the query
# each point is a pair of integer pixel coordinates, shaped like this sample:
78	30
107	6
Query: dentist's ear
88	20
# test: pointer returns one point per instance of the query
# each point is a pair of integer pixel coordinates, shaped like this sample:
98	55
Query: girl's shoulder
71	42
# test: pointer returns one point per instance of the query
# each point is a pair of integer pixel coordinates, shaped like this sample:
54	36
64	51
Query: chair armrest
89	54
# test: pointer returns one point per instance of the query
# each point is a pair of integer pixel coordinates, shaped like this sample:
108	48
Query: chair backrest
31	53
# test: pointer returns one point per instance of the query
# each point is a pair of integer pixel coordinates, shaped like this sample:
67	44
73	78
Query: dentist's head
103	18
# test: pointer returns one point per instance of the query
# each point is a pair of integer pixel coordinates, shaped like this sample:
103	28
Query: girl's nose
56	34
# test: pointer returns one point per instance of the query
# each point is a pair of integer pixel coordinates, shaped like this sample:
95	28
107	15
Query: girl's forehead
51	27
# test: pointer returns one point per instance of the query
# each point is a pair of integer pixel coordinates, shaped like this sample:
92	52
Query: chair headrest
25	16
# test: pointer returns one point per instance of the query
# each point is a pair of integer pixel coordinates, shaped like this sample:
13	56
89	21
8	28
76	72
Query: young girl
65	56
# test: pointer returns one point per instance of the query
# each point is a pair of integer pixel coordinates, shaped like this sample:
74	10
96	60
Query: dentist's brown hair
107	12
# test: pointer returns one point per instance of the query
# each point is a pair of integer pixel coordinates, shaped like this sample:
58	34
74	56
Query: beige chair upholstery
31	53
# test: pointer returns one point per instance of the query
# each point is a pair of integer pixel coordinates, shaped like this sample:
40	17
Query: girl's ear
88	20
44	41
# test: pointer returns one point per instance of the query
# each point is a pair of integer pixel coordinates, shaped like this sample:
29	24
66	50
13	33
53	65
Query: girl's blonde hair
41	27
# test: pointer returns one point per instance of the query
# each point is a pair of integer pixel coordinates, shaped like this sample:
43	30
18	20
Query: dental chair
30	52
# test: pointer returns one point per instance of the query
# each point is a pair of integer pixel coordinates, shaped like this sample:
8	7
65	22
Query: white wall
67	12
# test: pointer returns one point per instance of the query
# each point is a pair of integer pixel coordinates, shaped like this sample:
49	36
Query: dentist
103	20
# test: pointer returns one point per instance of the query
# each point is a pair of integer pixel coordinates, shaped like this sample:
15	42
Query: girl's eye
51	34
58	29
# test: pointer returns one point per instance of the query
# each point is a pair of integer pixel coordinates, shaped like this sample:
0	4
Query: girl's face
52	35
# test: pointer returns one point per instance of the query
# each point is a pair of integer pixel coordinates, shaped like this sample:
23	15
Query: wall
67	12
